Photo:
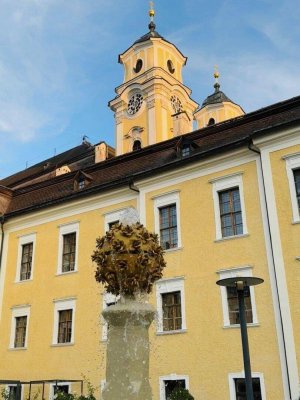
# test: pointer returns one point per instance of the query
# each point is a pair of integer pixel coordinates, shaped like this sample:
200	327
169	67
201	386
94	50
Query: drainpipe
2	239
255	149
133	187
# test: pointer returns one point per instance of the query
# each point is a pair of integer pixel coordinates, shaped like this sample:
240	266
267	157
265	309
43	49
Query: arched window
211	121
137	145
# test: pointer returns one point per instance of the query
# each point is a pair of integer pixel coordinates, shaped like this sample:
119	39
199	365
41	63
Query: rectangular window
168	383
297	185
68	248
171	385
26	261
293	175
14	392
230	212
168	226
233	305
229	297
113	217
64	326
19	327
20	333
64	321
167	219
111	224
229	207
240	389
62	387
69	252
171	304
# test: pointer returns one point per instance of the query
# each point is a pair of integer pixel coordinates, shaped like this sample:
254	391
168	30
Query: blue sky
58	63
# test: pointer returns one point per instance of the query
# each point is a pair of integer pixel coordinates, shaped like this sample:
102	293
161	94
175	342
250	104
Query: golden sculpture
129	259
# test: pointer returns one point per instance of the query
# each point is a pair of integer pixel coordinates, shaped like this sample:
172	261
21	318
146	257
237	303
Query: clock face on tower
135	103
176	104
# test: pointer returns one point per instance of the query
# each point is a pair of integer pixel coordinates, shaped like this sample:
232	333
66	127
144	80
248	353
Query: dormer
82	180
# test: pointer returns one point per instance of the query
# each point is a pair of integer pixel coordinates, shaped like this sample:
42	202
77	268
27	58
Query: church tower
152	104
217	107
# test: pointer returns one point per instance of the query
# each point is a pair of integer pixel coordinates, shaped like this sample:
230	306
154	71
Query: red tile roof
120	171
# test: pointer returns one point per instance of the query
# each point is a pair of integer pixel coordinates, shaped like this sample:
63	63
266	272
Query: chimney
62	170
100	152
181	123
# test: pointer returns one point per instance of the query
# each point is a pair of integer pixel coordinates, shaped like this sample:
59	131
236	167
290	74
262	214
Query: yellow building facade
224	201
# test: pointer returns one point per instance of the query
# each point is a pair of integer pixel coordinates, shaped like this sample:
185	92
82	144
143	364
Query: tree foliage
180	393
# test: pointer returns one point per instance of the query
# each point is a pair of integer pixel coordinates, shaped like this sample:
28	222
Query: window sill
235	326
17	348
173	249
66	273
296	222
161	333
24	281
62	344
231	237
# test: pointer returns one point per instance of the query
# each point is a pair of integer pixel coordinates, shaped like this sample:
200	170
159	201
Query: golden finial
216	76
151	10
216	73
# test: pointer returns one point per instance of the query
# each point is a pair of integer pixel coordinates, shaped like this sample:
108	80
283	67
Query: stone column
127	364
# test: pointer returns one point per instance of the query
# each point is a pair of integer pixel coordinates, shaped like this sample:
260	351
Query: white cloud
39	79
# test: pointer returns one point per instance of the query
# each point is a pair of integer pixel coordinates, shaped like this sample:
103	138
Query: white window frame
23	240
65	230
61	305
20	311
171	377
219	185
165	200
52	386
241	374
15	385
169	285
107	299
292	163
242	271
113	216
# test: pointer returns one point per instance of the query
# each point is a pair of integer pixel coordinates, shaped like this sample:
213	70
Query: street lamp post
240	283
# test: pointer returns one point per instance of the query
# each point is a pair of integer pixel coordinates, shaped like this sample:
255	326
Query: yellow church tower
152	104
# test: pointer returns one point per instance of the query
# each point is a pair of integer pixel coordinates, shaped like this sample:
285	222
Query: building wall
289	237
206	352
